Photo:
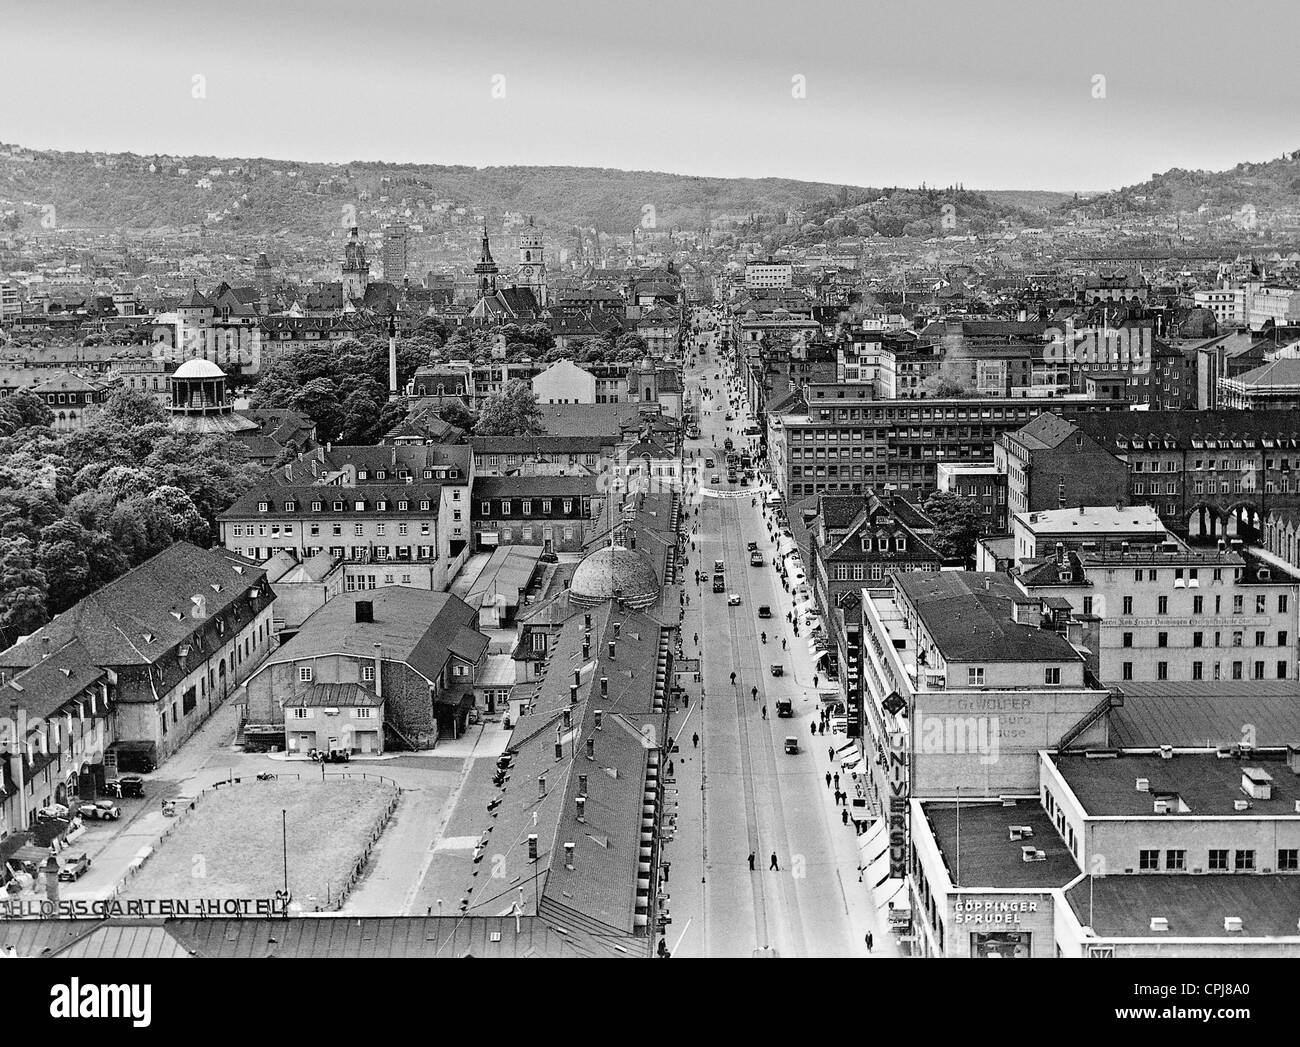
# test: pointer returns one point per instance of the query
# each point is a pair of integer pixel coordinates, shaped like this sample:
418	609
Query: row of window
526	507
1198	639
1198	602
361	712
1259	670
1288	860
359	505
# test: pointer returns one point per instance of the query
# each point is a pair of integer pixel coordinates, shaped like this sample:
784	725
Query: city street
740	793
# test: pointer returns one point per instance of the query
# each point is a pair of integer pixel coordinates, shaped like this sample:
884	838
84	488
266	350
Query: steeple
486	269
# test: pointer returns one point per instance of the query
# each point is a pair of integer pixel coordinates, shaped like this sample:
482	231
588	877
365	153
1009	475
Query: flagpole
958	883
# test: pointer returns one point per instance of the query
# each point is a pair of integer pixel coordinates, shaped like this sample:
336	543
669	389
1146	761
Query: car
755	559
733	600
792	744
729	417
54	810
504	761
100	810
719	566
751	546
715	479
131	785
710	463
764	611
74	867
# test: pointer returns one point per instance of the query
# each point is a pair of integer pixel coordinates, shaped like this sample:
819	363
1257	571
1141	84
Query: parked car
54	810
791	744
100	810
715	479
733	600
74	867
755	559
764	611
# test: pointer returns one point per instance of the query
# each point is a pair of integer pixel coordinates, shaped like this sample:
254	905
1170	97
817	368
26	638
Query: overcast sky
989	93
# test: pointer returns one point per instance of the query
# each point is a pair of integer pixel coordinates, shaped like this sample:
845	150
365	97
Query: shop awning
489	537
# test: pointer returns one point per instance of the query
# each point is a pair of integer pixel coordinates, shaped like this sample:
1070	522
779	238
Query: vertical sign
899	788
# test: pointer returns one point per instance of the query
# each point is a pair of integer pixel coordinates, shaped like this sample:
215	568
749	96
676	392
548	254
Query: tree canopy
510	411
957	521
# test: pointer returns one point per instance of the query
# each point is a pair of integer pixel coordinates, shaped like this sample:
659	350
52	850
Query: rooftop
989	857
1195	906
1092	520
1205	713
1206	784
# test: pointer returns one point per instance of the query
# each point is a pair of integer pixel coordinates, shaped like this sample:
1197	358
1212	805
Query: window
1175	861
299	713
1126	671
1288	859
1128	639
1148	859
263	506
1244	861
368	673
1236	670
1237	635
567	506
1198	670
381	529
1218	859
424	505
975	676
1281	669
1281	639
546	507
1258	671
1162	639
403	506
1128	605
290	507
304	674
526	506
1198	639
1198	604
1162	670
315	507
357	530
1281	604
487	508
1052	676
505	507
1162	605
1237	602
403	528
858	572
363	713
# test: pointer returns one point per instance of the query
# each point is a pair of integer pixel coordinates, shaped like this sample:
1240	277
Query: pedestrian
828	779
844	816
751	861
837	781
765	712
695	740
733	679
773	865
830	753
783	643
814	680
823	730
697	639
753	693
670	768
814	728
871	942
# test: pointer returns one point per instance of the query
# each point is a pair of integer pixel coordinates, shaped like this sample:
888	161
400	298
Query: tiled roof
535	485
303	495
334	695
133	619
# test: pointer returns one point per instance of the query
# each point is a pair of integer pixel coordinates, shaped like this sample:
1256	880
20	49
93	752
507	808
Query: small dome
606	571
198	369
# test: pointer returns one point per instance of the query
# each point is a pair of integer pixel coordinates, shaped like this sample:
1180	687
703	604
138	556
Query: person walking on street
837	781
830	753
695	740
765	712
814	679
697	639
773	864
751	861
823	730
753	693
844	816
733	679
828	779
783	643
871	942
814	729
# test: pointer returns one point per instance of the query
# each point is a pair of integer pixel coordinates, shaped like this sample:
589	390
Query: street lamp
284	840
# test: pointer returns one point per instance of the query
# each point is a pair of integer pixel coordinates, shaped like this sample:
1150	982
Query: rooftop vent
365	611
1143	785
1028	853
1020	832
1159	923
1232	924
1257	783
1166	752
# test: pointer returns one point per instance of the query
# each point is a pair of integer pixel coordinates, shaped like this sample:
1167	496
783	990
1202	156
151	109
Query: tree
512	411
23	590
957	521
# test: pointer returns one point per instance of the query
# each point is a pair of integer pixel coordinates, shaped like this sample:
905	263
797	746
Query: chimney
541	785
199	610
559	755
586	651
1060	552
532	847
587	622
591	748
568	856
617	627
611	648
600	716
604	686
573	696
567	718
581	803
365	611
582	785
577	677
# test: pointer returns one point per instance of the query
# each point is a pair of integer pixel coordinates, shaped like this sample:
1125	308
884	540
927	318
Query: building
1048	532
1050	463
981	482
355	270
553	511
532	262
387	532
564	382
403	663
964	680
396	265
1273	387
71	398
769	274
178	634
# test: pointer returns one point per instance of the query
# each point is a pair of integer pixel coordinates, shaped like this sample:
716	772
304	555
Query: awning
489	538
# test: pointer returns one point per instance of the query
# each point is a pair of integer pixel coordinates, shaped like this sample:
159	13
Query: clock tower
532	263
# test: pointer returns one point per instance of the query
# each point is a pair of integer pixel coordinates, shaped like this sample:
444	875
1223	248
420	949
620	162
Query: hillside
130	192
1270	187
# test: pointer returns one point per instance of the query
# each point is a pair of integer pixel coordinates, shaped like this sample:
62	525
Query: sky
992	94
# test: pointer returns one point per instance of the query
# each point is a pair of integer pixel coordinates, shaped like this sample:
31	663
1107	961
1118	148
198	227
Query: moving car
752	546
715	479
764	611
74	867
719	566
719	584
778	670
791	744
709	463
755	559
130	785
729	417
100	810
784	707
733	600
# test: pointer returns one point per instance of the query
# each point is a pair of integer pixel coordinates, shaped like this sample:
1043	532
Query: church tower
532	262
486	270
356	269
263	274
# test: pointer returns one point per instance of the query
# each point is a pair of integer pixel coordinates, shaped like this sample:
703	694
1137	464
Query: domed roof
198	369
609	570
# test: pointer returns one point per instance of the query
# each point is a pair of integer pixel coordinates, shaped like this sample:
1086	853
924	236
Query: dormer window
338	507
290	507
403	506
263	506
428	474
424	505
900	544
381	475
866	545
360	505
362	474
382	506
315	507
